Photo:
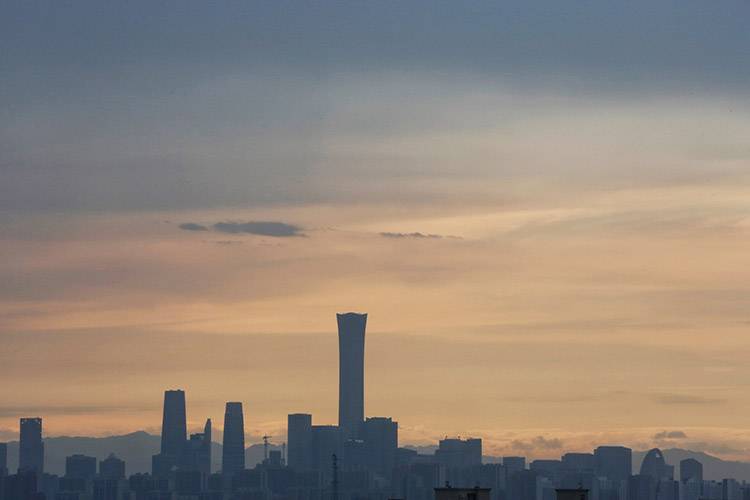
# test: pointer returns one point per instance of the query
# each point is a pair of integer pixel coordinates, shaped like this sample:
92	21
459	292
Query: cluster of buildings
357	459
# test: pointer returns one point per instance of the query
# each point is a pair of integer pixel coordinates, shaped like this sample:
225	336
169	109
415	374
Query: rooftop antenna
265	446
283	453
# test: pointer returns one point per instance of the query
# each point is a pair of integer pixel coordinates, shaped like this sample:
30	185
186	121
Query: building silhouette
351	328
197	454
80	467
233	455
112	468
31	446
690	468
173	434
613	462
299	441
654	466
458	453
174	424
514	464
3	459
380	436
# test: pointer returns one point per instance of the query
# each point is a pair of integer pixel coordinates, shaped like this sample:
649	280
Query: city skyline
175	430
544	208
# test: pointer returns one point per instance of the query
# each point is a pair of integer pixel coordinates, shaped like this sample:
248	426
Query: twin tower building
194	453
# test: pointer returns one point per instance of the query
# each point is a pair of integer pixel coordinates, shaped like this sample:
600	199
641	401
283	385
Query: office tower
731	489
582	463
80	467
642	487
3	459
380	435
692	489
174	425
233	456
299	441
31	446
523	485
459	453
514	464
549	469
351	373
690	468
21	486
108	489
654	466
326	442
112	468
197	455
613	462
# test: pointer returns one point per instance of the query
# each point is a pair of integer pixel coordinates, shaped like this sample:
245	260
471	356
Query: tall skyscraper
299	441
31	447
233	456
351	373
174	425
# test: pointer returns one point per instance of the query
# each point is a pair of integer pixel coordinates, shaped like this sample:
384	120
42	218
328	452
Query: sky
544	207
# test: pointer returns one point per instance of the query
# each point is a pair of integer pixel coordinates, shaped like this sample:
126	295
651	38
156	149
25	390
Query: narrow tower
233	456
351	373
31	446
173	425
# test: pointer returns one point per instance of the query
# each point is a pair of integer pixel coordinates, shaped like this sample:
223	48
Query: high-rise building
582	463
459	453
31	446
653	465
299	441
197	455
174	424
233	456
80	467
112	468
613	462
326	442
690	468
3	459
351	373
549	469
380	435
173	434
514	464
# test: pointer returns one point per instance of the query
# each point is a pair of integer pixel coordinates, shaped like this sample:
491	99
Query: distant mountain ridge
135	448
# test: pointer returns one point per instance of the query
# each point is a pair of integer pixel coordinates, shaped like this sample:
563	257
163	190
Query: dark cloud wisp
415	235
261	228
192	226
670	435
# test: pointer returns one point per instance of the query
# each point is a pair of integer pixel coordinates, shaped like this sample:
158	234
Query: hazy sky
543	206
